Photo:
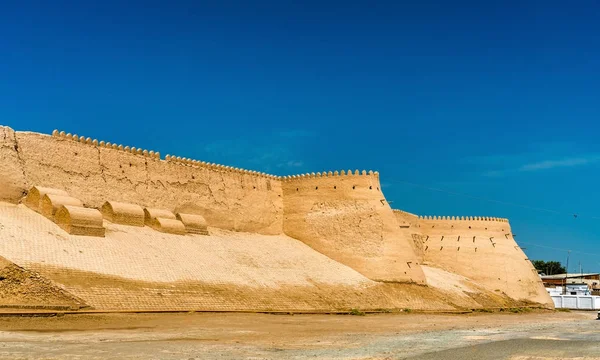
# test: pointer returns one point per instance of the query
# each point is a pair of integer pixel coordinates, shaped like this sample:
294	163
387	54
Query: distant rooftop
571	275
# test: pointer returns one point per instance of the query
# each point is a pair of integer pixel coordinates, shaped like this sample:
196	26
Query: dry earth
532	336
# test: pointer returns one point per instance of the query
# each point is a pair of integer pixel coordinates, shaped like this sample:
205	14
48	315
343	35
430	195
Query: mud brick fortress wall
228	198
481	248
345	216
342	215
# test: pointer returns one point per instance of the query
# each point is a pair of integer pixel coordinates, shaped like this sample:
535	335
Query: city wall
12	181
95	172
345	216
347	219
480	248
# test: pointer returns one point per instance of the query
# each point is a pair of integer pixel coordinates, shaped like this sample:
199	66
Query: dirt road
531	336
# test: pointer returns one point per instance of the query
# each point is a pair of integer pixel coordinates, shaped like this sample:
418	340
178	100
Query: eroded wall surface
484	250
227	199
409	229
12	177
347	218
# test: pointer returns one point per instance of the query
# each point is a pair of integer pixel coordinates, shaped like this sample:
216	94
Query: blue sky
498	101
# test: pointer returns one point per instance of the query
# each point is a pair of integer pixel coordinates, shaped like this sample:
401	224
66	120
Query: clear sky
496	100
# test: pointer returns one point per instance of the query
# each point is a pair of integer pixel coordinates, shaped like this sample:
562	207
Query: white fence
577	302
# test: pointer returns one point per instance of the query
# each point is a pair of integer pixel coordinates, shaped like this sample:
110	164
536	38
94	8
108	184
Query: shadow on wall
72	216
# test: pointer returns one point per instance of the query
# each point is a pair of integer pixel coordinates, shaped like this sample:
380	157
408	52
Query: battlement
216	167
333	184
183	161
326	174
94	142
462	218
156	155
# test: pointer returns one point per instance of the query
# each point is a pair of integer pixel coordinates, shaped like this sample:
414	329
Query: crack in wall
102	167
21	160
147	175
69	172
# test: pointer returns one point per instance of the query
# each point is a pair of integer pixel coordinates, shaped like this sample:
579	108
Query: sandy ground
532	336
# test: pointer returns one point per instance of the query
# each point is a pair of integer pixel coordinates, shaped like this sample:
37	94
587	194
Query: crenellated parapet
347	184
178	160
462	218
345	216
156	155
326	174
183	161
104	144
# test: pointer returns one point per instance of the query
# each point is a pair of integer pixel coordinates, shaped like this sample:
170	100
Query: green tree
549	267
